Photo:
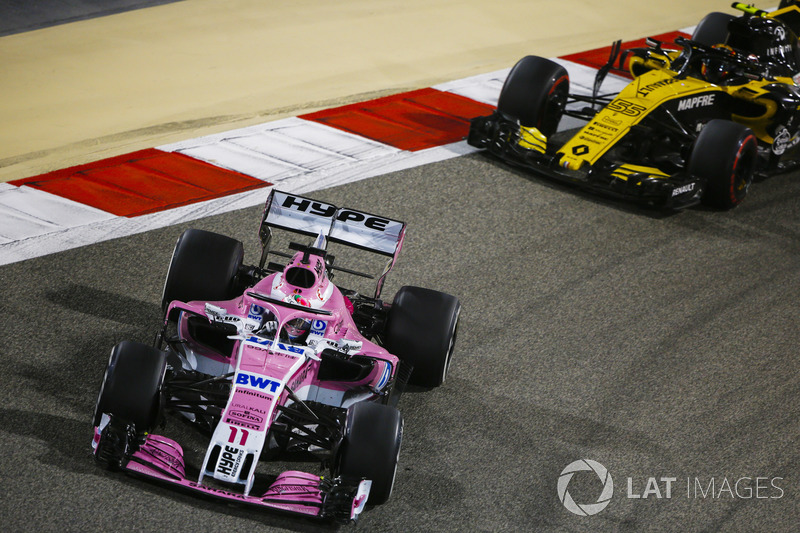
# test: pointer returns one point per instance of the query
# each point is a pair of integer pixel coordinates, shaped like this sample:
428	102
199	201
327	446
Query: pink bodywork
292	491
264	368
268	372
258	357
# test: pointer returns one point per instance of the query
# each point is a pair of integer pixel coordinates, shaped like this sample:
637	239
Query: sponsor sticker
696	101
258	382
304	205
318	327
682	189
229	460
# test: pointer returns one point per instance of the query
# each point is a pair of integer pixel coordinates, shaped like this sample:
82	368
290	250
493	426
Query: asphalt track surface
656	345
660	345
22	15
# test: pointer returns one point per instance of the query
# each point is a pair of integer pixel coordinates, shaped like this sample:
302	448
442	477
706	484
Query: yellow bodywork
644	94
532	139
654	84
626	171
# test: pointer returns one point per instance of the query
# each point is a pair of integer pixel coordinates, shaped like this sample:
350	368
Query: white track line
294	154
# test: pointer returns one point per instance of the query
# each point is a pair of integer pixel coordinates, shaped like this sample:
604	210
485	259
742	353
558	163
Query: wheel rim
554	106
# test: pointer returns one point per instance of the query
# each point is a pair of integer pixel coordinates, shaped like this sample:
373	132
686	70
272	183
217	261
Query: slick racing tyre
421	330
204	267
724	155
535	93
713	29
370	447
131	389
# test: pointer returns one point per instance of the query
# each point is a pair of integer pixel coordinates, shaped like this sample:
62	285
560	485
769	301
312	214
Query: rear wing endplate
298	214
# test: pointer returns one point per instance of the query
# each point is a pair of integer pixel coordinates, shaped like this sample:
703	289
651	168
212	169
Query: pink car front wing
292	491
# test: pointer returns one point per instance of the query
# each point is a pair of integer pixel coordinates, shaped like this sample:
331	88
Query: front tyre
535	93
370	447
132	385
421	329
724	155
204	266
713	29
129	403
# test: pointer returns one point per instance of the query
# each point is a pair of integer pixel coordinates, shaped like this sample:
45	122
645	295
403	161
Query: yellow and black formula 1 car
695	124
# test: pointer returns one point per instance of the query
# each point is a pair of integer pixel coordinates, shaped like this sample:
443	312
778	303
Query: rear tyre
535	93
421	329
204	267
131	386
371	447
724	155
713	29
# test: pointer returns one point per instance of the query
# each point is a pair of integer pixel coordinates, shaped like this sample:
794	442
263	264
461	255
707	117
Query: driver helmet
715	69
296	328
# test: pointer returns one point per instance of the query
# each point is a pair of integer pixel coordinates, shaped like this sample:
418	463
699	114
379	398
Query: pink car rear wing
298	214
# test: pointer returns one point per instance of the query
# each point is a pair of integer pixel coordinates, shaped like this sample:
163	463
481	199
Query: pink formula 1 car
276	359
